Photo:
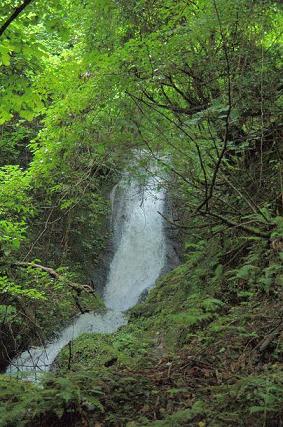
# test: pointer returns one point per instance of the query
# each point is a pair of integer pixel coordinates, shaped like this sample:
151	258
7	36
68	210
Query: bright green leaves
14	184
20	58
11	235
13	289
4	55
27	105
31	105
25	48
15	207
5	115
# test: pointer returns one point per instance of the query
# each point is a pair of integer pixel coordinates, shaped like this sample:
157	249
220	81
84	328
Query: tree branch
14	15
174	108
227	118
76	286
249	230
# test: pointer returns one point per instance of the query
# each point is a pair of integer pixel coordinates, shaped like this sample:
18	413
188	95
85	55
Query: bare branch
227	118
76	286
14	15
249	230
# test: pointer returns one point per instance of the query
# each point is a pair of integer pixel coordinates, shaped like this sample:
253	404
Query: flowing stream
139	256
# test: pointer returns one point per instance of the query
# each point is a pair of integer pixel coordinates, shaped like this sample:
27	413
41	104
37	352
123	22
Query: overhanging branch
231	223
14	15
76	286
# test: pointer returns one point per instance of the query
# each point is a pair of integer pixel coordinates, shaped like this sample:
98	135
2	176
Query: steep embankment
203	349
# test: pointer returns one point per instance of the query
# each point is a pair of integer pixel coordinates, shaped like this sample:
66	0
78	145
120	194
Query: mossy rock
125	348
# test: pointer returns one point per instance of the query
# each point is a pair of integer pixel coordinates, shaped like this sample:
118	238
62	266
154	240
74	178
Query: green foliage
257	272
100	352
37	403
74	102
179	418
259	396
15	207
10	288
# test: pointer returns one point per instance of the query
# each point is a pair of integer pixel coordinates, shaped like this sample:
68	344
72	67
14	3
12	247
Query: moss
193	353
128	347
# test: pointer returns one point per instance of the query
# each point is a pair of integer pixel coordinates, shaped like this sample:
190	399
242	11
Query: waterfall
139	256
139	242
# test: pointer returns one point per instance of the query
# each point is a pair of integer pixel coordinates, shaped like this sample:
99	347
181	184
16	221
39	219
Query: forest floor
204	349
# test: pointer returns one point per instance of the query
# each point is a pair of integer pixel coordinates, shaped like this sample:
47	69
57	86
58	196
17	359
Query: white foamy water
139	257
140	253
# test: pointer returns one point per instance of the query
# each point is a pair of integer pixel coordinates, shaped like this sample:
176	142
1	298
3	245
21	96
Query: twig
227	118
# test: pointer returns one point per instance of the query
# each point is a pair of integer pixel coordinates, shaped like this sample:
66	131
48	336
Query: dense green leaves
196	85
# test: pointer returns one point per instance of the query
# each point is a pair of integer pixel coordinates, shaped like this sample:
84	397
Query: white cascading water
139	256
140	250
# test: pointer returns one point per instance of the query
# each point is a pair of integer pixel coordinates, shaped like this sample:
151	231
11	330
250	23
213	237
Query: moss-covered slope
203	349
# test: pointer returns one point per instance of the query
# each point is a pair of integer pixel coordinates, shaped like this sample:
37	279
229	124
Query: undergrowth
204	349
